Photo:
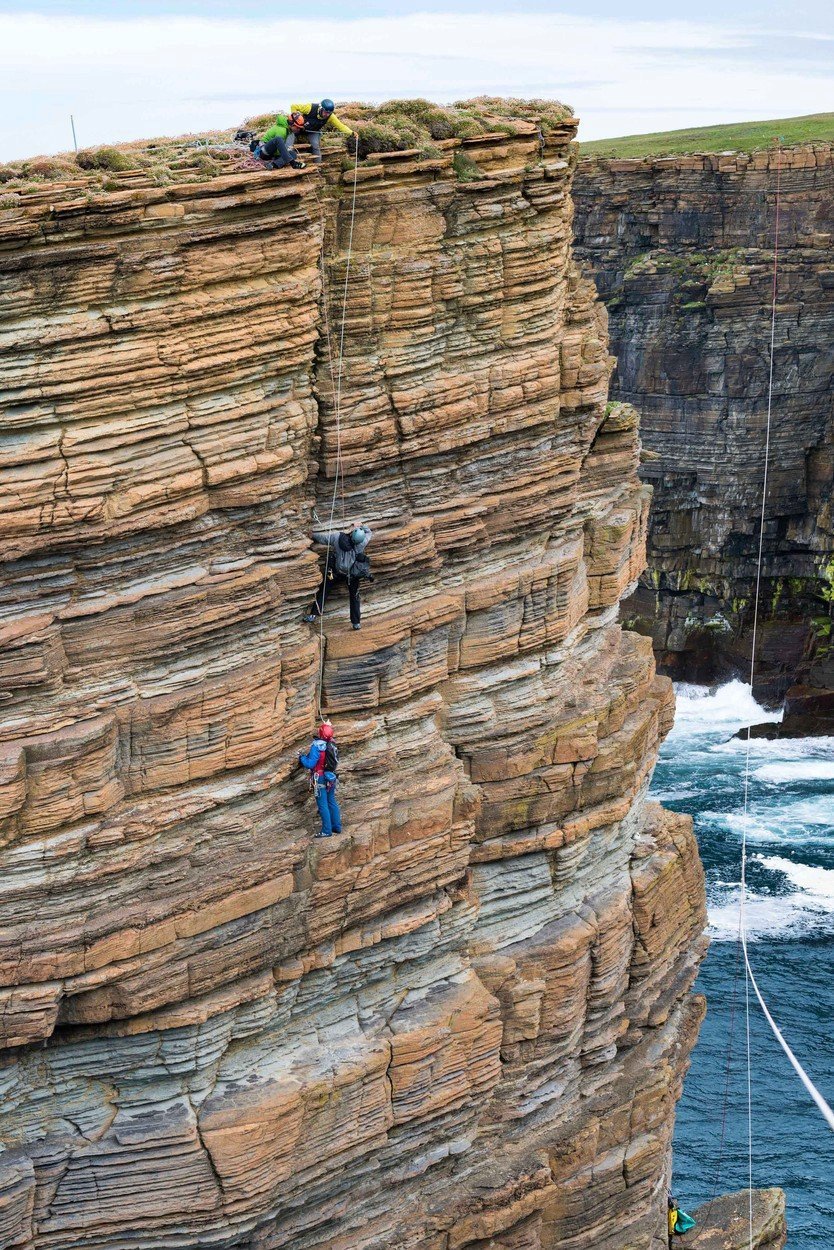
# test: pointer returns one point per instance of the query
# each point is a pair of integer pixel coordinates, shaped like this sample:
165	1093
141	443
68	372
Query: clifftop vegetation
395	125
735	137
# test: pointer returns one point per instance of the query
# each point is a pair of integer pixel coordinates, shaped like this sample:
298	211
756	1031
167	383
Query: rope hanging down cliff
336	387
817	1097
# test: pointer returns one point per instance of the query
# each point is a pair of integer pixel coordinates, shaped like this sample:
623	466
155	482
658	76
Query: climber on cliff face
323	762
314	118
273	148
346	561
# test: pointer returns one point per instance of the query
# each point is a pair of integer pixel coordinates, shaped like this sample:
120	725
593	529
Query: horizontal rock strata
682	251
464	1022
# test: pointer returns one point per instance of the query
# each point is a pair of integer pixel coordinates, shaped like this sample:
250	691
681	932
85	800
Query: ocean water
790	921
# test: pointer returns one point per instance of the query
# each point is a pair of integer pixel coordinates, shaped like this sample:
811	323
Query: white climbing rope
336	387
822	1105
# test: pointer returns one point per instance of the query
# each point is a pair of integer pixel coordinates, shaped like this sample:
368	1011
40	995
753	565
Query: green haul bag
683	1223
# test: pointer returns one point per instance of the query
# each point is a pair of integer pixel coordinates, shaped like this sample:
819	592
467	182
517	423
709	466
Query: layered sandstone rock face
464	1022
682	252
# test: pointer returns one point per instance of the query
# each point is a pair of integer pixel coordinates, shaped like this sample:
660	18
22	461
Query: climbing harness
822	1105
336	385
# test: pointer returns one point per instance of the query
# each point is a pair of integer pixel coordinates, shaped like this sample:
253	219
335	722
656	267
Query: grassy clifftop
397	125
736	137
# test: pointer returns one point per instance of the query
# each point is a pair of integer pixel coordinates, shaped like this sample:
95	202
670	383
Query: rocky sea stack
464	1022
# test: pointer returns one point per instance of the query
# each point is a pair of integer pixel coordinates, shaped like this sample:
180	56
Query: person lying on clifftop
323	762
315	118
347	562
273	149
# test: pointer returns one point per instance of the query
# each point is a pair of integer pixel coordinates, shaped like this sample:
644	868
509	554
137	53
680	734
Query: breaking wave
789	823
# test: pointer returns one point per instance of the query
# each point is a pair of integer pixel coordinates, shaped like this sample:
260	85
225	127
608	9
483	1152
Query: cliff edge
465	1021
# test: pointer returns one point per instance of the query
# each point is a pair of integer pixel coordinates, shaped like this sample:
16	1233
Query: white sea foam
675	794
778	748
769	916
816	883
789	771
818	810
799	823
809	908
706	709
765	916
788	916
790	900
754	825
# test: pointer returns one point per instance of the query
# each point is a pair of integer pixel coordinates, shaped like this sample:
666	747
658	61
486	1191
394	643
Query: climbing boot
296	164
311	618
357	626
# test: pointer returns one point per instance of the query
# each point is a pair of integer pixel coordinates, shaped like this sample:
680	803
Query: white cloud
135	77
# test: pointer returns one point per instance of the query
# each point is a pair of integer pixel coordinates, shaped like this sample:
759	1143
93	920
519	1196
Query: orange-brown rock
464	1022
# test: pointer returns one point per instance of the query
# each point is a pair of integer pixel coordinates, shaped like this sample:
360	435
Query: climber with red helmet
273	149
323	762
314	119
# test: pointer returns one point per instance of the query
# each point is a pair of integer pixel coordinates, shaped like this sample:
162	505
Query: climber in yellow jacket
316	117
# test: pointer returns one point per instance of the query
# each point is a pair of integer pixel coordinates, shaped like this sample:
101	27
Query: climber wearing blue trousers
323	761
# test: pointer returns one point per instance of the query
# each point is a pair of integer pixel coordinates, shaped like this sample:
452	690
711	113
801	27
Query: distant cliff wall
464	1022
682	252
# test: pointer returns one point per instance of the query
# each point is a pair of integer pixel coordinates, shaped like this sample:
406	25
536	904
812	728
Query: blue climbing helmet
357	536
327	106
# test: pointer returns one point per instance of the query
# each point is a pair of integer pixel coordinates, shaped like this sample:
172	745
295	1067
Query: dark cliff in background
682	252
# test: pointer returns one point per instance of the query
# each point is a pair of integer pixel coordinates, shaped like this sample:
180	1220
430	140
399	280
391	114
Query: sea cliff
464	1022
682	250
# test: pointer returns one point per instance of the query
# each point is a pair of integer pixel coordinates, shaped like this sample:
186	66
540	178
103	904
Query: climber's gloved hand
371	577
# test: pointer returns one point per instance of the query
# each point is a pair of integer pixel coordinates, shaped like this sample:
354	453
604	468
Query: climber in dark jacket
314	119
345	561
324	779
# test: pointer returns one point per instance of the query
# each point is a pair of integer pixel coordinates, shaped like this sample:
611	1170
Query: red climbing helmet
326	731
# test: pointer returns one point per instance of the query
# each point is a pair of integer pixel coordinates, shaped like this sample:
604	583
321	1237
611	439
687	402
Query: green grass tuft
466	170
107	158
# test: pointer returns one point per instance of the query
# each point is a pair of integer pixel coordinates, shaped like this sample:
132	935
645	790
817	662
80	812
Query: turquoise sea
790	920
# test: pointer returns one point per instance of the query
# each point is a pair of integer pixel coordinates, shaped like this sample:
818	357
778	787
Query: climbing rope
728	1063
336	387
750	980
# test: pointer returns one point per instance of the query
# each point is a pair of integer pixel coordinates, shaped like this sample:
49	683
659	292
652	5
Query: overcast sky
132	70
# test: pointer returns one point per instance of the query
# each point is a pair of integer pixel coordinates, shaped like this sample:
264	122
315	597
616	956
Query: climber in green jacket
273	148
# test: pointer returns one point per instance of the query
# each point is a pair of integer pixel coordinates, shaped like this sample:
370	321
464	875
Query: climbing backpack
683	1223
361	567
331	758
